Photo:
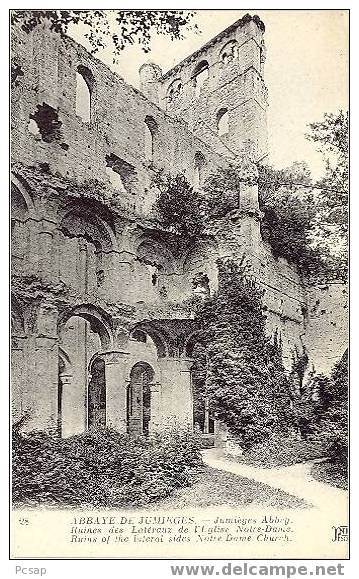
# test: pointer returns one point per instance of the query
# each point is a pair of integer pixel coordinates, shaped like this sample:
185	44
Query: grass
213	487
330	473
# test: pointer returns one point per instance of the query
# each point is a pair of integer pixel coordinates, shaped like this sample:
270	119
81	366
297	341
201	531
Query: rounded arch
153	251
229	52
98	319
96	404
139	398
141	367
150	134
85	82
21	194
190	342
200	67
222	121
200	75
79	220
139	335
201	251
151	124
64	362
158	337
174	90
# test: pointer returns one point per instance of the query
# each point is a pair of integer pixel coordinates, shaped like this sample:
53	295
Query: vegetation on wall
179	206
288	211
245	379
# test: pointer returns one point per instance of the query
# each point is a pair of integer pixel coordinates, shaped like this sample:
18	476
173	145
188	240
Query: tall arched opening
84	334
96	404
139	399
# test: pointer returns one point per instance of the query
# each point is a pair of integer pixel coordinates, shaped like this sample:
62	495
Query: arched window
222	122
229	52
174	90
199	162
150	133
139	336
84	87
200	76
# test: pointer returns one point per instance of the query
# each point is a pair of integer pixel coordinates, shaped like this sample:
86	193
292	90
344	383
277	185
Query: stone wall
235	60
91	266
78	149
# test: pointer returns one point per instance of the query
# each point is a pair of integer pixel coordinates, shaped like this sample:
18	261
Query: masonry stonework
101	328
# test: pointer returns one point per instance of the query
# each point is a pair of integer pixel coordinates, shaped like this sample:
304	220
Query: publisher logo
340	533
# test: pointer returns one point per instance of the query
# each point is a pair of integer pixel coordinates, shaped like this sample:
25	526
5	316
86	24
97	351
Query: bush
102	467
278	451
333	473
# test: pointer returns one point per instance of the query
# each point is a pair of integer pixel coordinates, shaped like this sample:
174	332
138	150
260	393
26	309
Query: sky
306	70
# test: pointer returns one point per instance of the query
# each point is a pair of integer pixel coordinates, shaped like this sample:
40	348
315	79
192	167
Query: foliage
277	451
101	467
332	138
320	411
221	192
289	213
331	473
245	379
110	28
331	135
333	425
179	206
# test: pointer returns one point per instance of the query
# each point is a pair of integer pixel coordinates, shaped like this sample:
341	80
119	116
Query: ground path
294	480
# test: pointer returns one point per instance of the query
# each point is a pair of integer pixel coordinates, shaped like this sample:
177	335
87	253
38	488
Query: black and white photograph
179	283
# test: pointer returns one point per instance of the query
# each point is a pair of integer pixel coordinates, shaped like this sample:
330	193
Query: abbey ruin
101	334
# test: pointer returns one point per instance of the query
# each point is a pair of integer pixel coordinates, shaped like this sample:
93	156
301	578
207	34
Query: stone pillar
32	266
19	382
118	278
43	397
42	394
48	265
156	408
82	266
249	197
71	422
177	399
116	390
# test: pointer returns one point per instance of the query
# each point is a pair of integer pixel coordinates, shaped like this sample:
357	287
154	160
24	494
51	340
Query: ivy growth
244	377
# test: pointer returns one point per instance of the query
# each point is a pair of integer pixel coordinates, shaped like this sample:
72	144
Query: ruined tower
219	90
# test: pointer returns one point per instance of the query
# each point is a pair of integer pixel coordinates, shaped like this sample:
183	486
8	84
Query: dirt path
295	480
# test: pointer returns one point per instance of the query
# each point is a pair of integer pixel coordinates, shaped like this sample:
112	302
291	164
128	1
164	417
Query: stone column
82	266
32	266
42	395
116	390
186	391
117	275
156	408
19	382
177	400
71	422
48	265
43	413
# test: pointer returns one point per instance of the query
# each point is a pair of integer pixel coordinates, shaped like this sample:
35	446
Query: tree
178	205
114	28
331	135
286	199
333	425
245	381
